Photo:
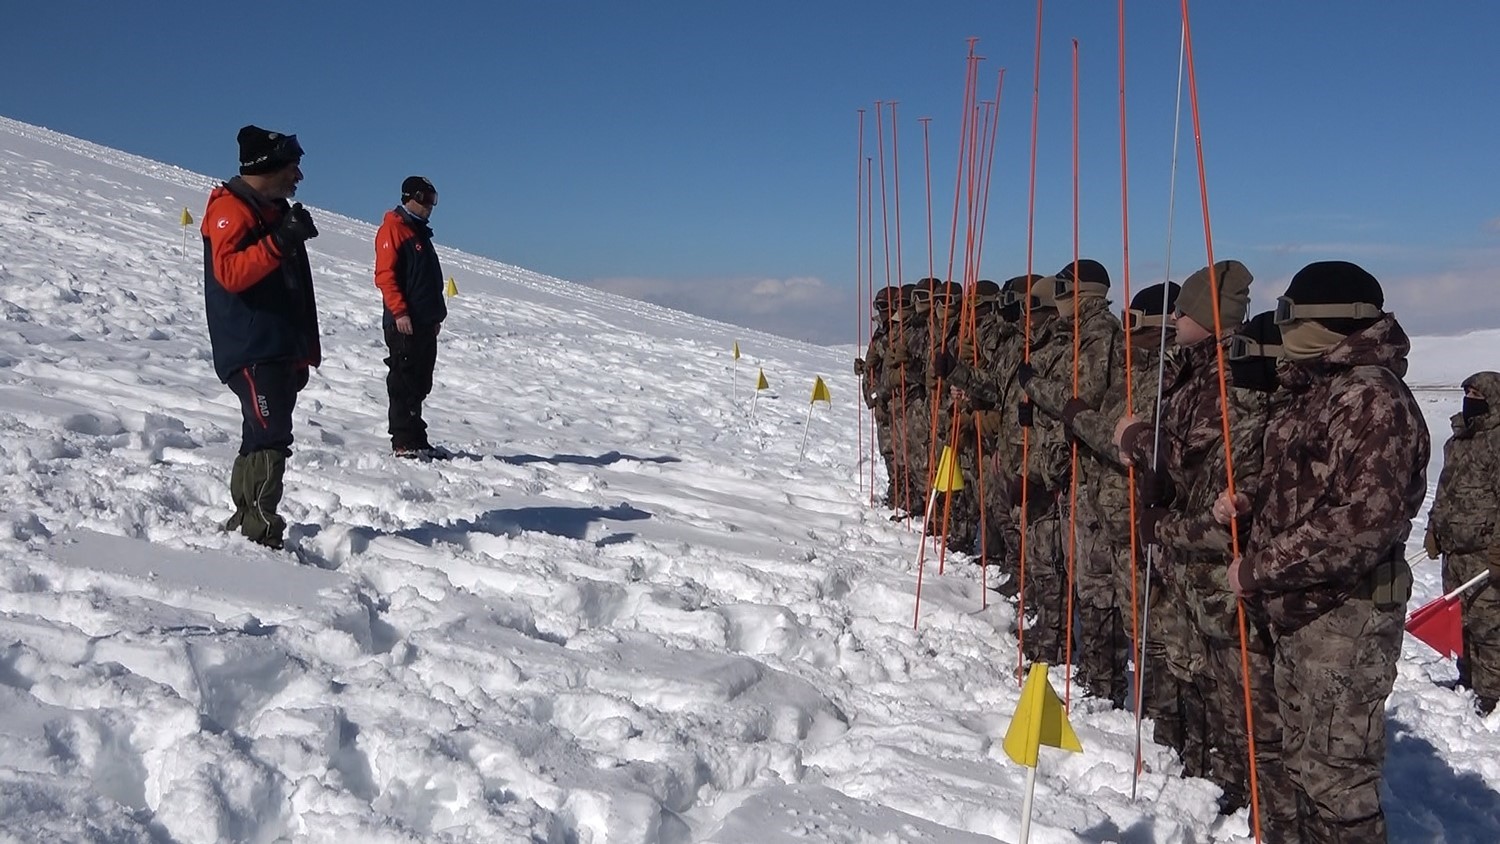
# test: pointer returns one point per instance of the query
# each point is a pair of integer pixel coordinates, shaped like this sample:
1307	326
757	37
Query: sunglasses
1242	348
1062	288
1288	311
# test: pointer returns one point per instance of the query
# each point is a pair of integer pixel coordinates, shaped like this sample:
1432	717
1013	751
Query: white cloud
803	308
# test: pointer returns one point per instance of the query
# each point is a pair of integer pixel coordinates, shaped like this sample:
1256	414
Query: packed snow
626	613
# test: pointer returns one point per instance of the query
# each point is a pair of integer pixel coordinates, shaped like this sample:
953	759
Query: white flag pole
1026	805
805	426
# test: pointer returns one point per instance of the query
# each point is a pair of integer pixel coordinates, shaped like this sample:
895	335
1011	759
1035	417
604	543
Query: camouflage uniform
1100	499
1047	463
906	361
1195	555
1462	524
1094	429
1345	462
875	389
986	372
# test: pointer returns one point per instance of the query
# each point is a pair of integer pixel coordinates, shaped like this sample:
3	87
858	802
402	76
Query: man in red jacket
410	279
262	317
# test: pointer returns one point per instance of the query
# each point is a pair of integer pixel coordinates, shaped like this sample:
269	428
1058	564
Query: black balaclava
1258	370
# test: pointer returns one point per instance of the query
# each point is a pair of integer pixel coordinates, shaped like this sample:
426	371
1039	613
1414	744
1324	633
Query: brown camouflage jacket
1050	455
874	385
1192	451
1346	458
1467	505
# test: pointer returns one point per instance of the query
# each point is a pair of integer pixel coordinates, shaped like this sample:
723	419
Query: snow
626	613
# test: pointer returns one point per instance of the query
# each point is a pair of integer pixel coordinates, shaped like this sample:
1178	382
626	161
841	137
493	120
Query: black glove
1149	518
1025	415
296	227
943	364
1071	410
1152	486
1024	373
859	366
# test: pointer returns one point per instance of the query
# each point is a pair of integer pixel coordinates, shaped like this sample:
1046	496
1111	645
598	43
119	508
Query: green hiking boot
263	488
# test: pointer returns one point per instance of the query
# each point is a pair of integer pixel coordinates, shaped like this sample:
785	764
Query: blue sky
702	154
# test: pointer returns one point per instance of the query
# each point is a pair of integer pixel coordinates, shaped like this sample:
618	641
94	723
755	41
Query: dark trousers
409	381
267	394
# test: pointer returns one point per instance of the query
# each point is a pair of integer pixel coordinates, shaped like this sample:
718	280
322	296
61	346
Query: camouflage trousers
1176	649
1000	540
886	443
1043	582
910	435
1102	624
1230	754
1332	677
1479	668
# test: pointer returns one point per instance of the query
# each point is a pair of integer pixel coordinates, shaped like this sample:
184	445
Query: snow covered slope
627	615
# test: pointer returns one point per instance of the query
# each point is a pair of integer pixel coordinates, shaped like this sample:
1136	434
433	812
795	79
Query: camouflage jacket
1346	459
1049	455
1103	489
1467	505
1192	453
906	358
874	387
1094	430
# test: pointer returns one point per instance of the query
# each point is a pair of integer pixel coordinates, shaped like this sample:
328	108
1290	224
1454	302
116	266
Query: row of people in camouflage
263	316
1119	497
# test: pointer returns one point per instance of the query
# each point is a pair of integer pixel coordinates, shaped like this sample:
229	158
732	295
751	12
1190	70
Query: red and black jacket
407	270
259	302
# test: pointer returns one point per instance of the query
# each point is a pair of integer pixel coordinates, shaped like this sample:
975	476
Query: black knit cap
419	188
1089	272
985	287
1149	300
1336	283
263	151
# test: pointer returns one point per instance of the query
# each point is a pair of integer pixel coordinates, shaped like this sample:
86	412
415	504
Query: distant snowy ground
629	615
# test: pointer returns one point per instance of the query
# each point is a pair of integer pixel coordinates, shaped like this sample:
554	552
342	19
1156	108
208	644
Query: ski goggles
1136	319
1244	348
1067	288
1288	311
931	298
1017	298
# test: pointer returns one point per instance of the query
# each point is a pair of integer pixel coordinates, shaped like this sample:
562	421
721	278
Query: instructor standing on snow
262	317
410	279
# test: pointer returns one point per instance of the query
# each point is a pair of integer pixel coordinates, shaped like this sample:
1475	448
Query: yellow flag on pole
761	383
949	478
451	288
187	219
820	391
1039	720
736	350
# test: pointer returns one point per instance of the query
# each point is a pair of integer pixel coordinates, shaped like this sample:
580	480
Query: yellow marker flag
187	219
949	478
451	288
820	391
1039	720
761	383
736	350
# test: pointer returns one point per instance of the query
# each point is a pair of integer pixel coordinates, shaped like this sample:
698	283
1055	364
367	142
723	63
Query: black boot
263	489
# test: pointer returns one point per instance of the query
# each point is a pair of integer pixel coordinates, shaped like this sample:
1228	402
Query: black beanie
1150	299
985	287
1336	283
418	187
263	151
1089	272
